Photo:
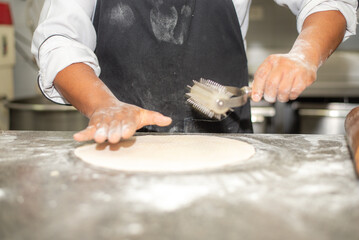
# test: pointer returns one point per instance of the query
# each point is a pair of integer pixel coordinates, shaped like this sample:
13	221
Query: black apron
150	50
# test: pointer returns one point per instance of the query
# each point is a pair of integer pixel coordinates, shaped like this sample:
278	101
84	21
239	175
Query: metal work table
294	187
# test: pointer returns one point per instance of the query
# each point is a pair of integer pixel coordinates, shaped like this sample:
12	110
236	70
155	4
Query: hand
110	119
119	122
282	77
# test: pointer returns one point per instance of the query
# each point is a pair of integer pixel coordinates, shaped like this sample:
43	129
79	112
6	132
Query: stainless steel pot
319	118
38	113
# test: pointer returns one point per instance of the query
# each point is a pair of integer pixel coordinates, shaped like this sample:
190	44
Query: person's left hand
119	121
282	77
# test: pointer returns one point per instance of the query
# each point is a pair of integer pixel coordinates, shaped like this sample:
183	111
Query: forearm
321	34
83	89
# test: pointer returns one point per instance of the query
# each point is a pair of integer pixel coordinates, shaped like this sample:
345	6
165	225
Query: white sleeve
303	8
65	35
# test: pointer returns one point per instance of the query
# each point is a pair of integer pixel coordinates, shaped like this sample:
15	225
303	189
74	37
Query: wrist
100	102
307	53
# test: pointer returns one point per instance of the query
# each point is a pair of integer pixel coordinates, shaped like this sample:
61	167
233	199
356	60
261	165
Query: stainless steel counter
295	187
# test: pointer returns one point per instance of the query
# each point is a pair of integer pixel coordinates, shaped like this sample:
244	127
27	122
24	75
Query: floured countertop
294	187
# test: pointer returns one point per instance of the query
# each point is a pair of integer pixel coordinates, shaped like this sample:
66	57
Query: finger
115	132
101	133
271	86
161	120
128	129
259	81
154	118
285	87
86	134
297	88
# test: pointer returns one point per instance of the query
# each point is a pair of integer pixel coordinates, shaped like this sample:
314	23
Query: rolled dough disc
166	153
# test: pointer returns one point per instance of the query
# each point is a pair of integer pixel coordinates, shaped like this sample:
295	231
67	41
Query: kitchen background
321	109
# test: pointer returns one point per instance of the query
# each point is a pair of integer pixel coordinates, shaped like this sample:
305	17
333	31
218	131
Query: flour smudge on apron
122	16
168	24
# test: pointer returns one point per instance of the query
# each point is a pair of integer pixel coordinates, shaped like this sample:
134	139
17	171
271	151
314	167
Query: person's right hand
119	122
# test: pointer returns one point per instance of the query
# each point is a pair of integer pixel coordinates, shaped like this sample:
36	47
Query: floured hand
282	77
119	122
110	119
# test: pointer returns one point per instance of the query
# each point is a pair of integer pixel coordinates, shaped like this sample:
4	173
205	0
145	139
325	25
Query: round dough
166	153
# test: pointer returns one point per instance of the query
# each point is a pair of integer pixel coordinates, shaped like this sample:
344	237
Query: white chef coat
66	35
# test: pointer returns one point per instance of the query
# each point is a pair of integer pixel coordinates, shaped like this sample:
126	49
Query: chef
125	64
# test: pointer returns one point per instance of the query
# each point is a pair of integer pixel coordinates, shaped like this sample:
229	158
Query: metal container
38	113
262	117
322	118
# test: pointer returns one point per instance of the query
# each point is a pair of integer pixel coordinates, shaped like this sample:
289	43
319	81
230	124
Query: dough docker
214	100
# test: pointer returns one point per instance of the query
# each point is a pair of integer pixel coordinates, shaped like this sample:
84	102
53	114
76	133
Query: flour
163	25
101	132
122	16
7	138
2	193
168	25
101	196
297	53
168	198
166	195
174	129
54	173
186	11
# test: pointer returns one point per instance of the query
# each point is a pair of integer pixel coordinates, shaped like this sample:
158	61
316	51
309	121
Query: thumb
154	118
